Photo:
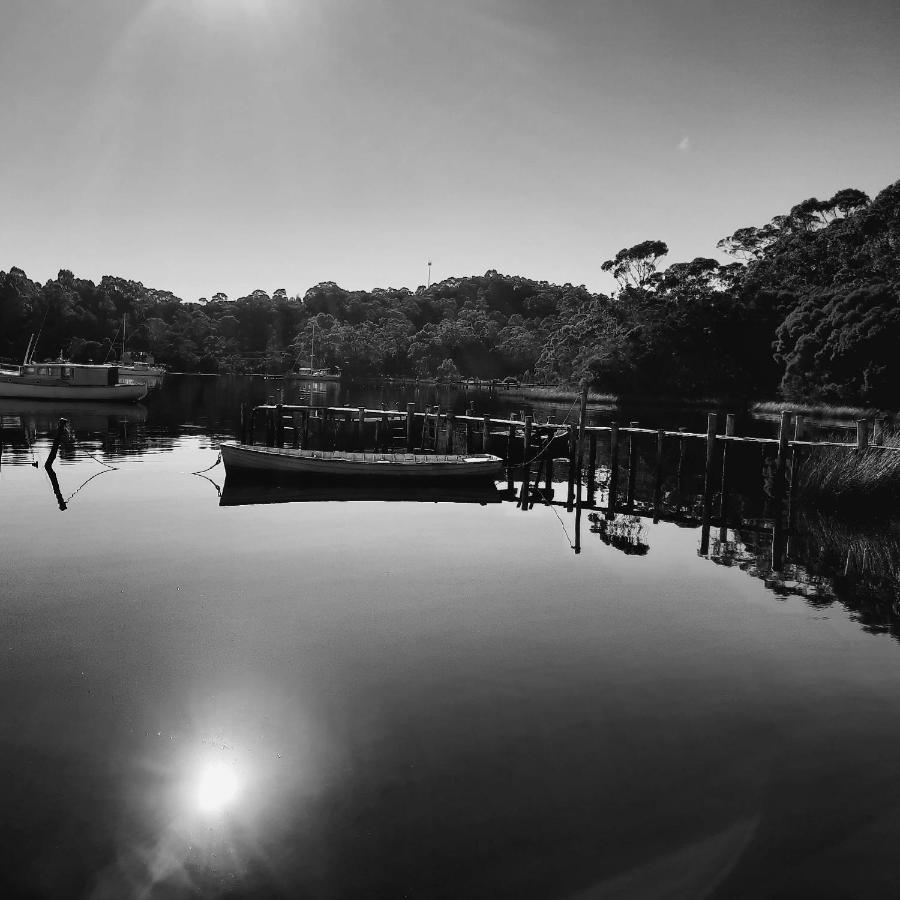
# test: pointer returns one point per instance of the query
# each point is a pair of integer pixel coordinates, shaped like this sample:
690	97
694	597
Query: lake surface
395	699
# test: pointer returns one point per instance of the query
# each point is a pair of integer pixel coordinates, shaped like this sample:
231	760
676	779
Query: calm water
423	699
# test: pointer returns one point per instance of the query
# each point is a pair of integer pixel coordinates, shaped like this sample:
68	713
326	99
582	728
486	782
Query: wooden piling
592	468
526	461
582	423
242	425
573	468
279	425
778	490
451	419
679	475
60	433
632	467
251	427
723	491
410	419
658	474
486	434
712	421
613	469
306	414
270	427
862	434
295	429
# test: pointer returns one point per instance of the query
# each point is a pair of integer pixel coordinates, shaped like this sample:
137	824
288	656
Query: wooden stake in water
60	433
632	467
410	418
613	469
723	498
658	474
712	421
592	468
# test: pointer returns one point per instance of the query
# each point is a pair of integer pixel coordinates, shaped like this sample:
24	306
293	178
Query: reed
854	482
816	409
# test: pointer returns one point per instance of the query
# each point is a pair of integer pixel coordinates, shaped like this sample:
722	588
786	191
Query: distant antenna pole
429	274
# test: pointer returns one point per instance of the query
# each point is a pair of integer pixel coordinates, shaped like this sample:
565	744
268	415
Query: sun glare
217	788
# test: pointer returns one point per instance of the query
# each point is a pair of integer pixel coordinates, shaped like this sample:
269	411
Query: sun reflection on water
217	788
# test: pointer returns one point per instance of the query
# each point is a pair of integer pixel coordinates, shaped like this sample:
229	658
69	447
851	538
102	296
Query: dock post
60	432
658	474
799	428
306	428
451	422
582	422
485	434
510	438
778	491
251	427
613	469
573	468
723	493
410	419
242	425
270	426
592	468
632	467
862	434
295	429
679	478
470	414
279	425
360	426
526	462
712	421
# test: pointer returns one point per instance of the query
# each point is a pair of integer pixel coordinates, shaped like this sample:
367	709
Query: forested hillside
809	307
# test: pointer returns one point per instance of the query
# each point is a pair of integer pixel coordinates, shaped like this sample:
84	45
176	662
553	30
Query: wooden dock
531	449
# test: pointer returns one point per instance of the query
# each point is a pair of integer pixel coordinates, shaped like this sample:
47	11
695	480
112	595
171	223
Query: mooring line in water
70	431
218	460
565	530
84	484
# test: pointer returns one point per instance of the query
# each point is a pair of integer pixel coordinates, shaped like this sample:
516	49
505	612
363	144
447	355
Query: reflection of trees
625	533
828	561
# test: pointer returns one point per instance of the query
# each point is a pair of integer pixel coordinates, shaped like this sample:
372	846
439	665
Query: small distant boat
251	458
314	375
68	381
139	368
311	373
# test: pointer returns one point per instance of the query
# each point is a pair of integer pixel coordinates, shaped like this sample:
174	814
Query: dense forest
809	308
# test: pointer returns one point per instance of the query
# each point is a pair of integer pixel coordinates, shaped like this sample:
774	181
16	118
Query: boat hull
336	464
16	387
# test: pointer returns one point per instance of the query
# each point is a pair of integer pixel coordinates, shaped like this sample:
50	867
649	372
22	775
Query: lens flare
217	788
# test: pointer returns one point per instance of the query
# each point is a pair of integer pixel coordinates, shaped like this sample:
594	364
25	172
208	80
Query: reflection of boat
245	493
338	463
67	381
52	412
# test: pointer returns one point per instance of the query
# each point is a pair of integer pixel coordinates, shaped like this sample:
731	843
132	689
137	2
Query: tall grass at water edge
862	483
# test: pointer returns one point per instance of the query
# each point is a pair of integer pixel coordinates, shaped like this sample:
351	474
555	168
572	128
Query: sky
227	145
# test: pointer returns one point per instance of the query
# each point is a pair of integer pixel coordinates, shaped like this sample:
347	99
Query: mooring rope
70	433
218	460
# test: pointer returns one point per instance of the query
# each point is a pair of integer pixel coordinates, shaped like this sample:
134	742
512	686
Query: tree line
809	307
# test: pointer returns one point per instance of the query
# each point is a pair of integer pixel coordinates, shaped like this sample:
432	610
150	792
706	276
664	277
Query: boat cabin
73	373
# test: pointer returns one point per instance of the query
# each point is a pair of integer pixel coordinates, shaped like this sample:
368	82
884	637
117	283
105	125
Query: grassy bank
813	409
854	483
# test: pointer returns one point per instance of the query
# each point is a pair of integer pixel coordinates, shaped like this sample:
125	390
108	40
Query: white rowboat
342	464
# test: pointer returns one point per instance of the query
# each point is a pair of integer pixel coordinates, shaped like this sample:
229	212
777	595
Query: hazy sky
205	145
